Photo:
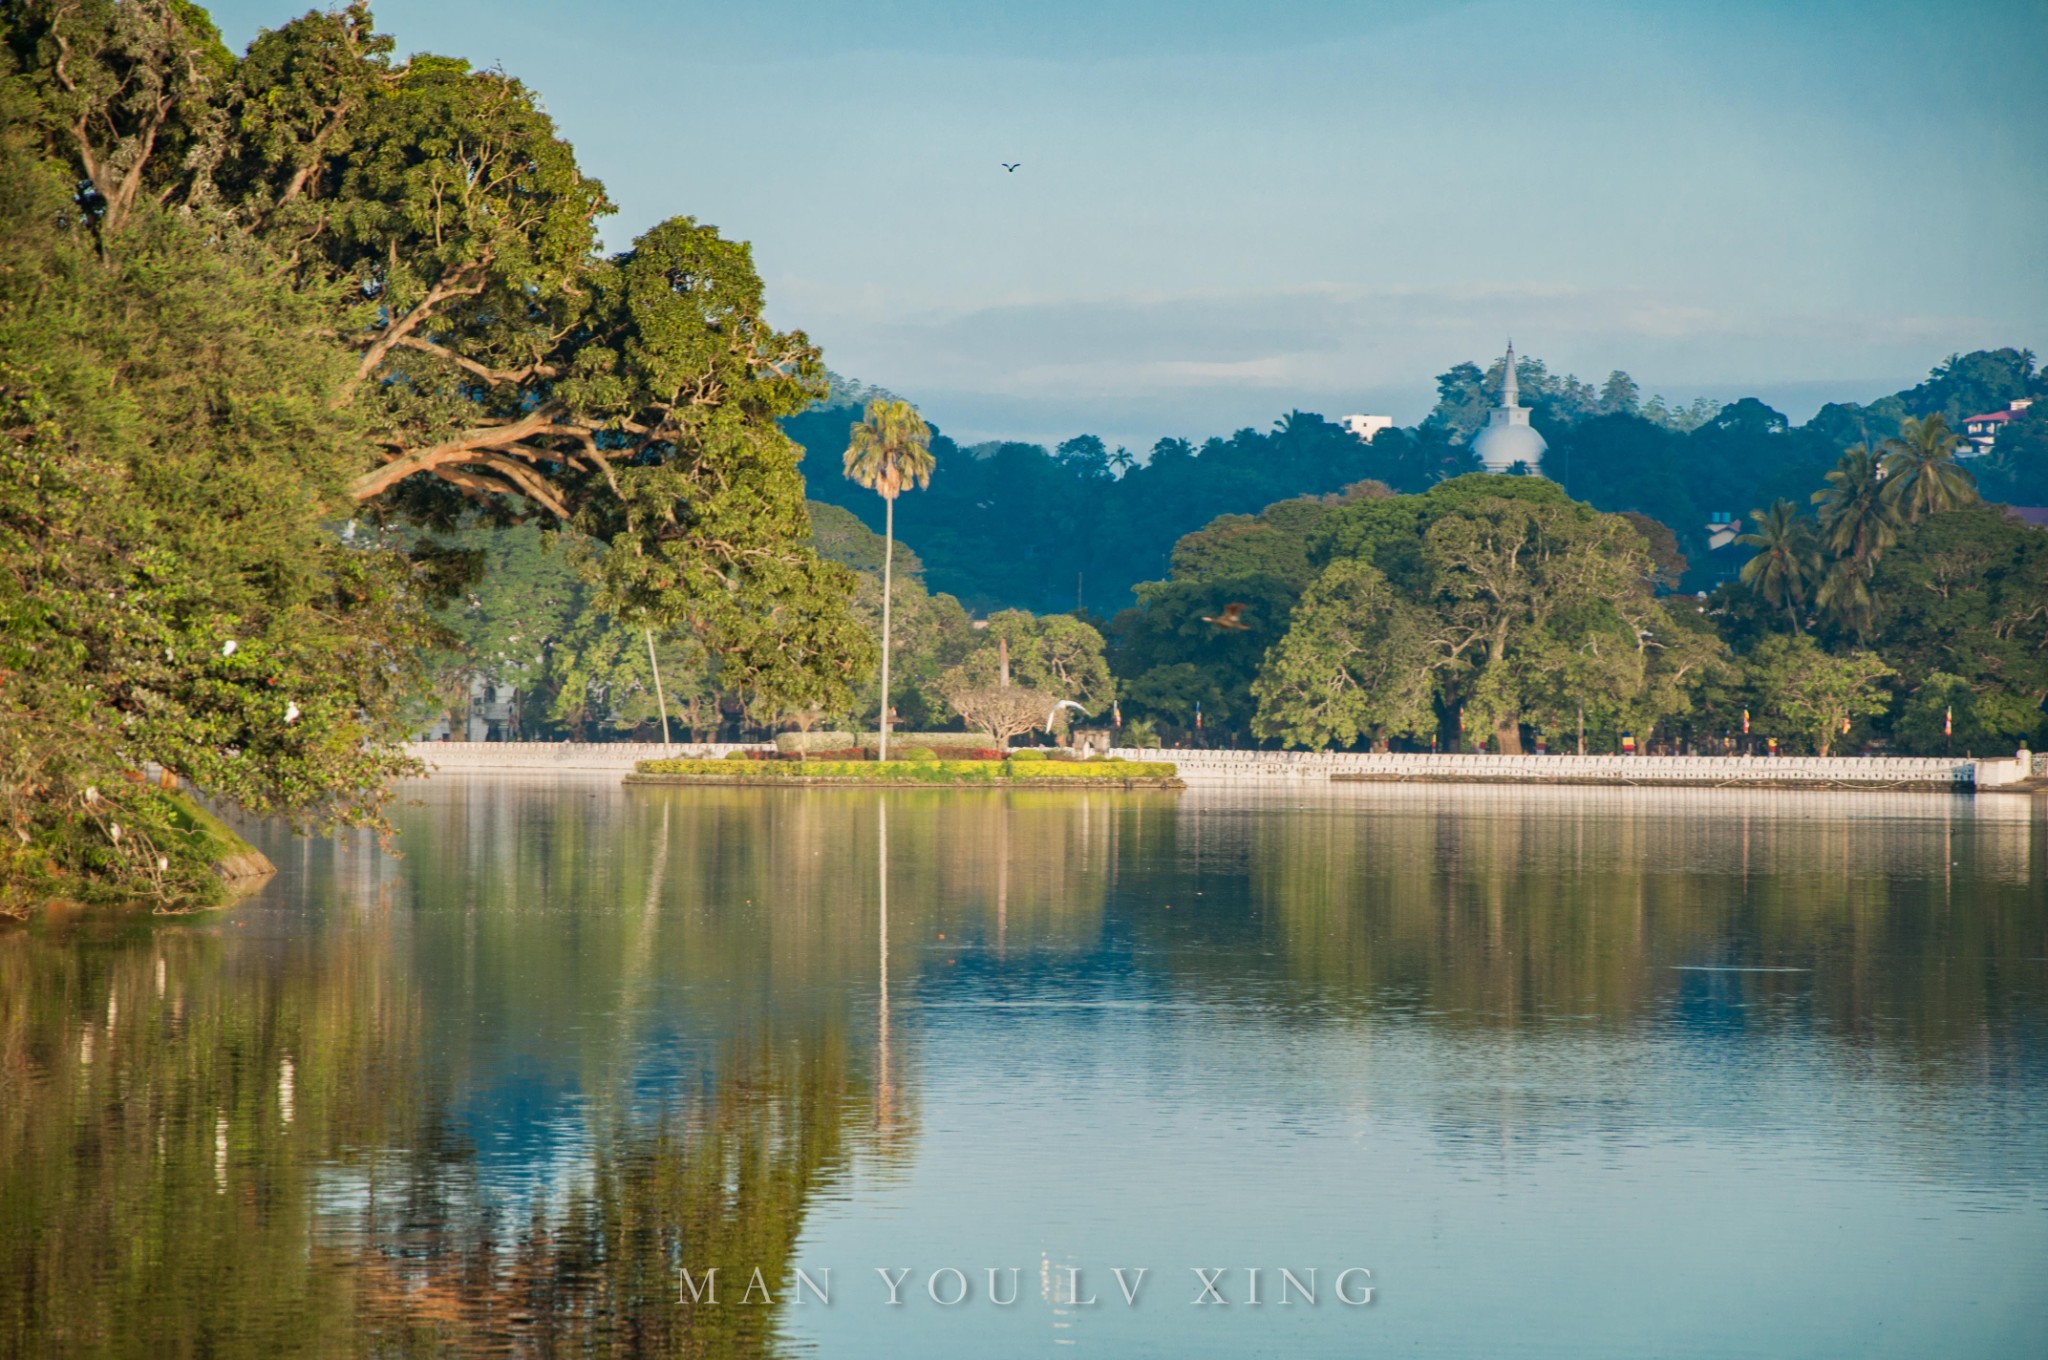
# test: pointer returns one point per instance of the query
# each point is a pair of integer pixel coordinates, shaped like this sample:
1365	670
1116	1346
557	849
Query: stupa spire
1510	392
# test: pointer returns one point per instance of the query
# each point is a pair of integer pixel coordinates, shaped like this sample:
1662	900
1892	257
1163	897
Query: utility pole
659	702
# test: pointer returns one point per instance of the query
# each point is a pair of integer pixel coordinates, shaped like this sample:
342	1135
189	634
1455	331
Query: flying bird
1011	166
1232	618
1054	716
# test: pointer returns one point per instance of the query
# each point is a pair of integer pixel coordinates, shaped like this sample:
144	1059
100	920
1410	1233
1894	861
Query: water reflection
490	1097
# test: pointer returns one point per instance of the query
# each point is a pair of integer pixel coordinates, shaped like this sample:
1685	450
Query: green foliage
1359	661
333	287
1141	734
2016	470
174	588
1055	654
1787	567
1027	754
916	753
1801	692
1497	597
1965	594
1972	384
1922	475
889	450
1011	524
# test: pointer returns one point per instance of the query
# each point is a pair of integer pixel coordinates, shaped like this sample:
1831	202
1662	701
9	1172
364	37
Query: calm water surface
1572	1073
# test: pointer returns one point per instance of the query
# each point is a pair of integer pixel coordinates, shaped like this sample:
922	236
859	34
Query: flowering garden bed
1006	773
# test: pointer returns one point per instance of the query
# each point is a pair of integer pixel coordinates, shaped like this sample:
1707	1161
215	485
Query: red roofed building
1982	431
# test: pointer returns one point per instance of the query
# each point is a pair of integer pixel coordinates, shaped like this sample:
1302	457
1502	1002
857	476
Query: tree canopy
370	292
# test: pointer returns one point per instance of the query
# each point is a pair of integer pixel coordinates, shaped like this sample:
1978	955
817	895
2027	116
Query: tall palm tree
1858	521
890	450
1856	518
1786	562
1922	476
1122	460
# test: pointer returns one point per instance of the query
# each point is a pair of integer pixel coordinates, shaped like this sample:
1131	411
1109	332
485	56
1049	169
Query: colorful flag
1948	722
1745	722
1116	714
1198	715
1461	719
1628	743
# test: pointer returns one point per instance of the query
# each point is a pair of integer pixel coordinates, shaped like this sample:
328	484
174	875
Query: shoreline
1958	774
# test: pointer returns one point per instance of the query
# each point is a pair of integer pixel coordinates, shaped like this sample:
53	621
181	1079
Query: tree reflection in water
489	1098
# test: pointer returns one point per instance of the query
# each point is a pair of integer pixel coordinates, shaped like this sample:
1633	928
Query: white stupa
1508	438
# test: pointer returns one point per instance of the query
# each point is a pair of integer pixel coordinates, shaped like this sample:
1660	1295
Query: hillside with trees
1081	524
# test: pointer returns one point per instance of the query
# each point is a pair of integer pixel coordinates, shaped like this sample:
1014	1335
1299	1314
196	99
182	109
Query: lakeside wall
1958	773
1864	772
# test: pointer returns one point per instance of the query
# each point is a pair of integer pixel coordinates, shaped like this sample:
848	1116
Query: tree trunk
1509	738
888	563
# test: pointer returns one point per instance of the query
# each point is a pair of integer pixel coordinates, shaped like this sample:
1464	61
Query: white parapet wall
1876	772
1278	767
562	757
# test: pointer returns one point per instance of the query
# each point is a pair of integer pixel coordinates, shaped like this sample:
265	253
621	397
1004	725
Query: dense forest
1018	525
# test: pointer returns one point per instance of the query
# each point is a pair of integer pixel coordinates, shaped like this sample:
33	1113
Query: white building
1982	431
1365	427
1508	438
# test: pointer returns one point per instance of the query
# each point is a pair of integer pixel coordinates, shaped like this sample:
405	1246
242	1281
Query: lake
1483	1071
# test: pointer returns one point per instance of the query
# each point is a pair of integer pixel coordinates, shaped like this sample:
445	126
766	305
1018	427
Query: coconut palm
890	450
1922	476
1787	563
1122	460
1858	521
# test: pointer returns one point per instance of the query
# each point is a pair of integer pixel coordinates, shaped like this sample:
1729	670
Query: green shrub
737	755
811	743
1028	753
915	753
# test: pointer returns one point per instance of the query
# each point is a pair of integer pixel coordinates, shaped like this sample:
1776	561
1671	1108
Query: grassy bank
142	847
1128	774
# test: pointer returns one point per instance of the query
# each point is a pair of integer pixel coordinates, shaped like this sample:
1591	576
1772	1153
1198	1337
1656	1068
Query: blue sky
1227	210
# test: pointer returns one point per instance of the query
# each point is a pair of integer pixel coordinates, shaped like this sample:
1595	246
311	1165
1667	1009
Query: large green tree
1965	594
422	230
173	589
1812	696
1359	662
1499	598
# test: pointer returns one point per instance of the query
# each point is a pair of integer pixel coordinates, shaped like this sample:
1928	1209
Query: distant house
1365	427
493	715
1722	528
1981	432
